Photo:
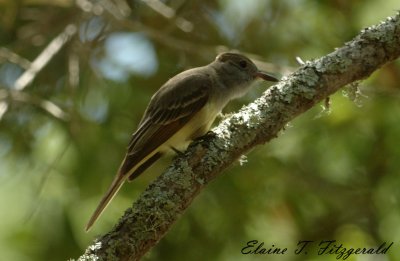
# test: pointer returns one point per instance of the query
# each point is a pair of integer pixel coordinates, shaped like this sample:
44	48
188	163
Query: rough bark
165	199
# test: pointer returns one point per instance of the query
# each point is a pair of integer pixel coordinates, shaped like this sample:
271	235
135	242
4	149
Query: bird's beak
266	76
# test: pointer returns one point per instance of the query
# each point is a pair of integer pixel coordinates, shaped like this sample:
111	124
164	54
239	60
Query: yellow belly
196	127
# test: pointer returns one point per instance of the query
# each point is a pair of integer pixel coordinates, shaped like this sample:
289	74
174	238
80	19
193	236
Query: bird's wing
169	110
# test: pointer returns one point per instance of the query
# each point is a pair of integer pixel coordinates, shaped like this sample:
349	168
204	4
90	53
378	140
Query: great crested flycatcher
181	110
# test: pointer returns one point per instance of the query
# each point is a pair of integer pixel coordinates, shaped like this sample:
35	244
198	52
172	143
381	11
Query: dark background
331	174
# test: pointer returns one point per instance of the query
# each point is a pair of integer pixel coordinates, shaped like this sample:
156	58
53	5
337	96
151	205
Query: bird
182	110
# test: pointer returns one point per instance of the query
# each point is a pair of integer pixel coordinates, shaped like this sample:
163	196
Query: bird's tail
115	186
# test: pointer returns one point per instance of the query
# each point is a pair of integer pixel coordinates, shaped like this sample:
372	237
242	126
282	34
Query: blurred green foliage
333	173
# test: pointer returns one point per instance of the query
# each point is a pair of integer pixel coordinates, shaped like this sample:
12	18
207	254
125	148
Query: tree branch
164	201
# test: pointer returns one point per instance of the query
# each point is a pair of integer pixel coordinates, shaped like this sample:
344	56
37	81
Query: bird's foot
178	152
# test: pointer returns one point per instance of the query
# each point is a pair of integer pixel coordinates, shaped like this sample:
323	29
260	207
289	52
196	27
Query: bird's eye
243	64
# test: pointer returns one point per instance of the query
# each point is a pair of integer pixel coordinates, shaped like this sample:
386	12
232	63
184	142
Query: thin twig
44	57
73	70
8	55
168	40
169	13
118	10
18	96
34	68
3	108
